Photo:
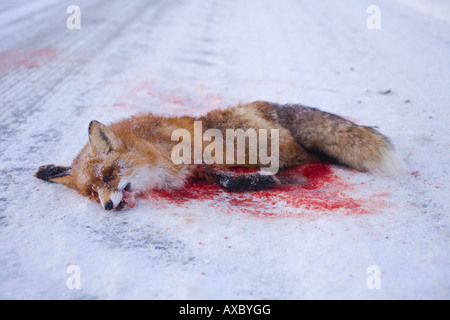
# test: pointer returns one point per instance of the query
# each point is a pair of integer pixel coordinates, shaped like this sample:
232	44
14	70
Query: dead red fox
137	154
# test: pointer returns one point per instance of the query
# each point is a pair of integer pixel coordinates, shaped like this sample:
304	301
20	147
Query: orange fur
136	152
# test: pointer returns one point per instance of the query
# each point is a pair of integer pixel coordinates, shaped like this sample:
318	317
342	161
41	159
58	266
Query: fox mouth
127	198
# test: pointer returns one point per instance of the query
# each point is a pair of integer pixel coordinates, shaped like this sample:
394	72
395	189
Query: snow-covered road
338	234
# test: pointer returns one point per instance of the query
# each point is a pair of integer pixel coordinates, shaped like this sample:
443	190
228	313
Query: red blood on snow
305	190
28	59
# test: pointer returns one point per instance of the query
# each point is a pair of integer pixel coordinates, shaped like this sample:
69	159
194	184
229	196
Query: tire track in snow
27	91
38	103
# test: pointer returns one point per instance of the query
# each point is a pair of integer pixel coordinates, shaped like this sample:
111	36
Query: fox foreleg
232	181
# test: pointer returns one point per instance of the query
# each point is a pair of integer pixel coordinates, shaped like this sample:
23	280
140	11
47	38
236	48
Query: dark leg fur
242	182
51	171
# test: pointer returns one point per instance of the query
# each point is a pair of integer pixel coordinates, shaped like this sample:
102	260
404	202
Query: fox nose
109	205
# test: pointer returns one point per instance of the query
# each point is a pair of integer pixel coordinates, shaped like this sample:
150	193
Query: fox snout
118	199
109	205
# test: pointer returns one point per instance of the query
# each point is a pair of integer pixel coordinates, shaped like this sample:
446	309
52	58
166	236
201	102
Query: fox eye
108	178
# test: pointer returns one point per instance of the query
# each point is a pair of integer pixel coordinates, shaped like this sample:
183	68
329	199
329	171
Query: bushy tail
359	147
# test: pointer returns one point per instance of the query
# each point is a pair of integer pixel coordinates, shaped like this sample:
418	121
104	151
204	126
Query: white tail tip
390	164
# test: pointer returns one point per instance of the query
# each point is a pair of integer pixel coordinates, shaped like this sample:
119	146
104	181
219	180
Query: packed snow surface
330	232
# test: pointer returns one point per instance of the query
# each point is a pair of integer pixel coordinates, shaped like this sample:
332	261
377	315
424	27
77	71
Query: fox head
112	169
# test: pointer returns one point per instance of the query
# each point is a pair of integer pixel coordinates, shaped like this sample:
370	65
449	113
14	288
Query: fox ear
56	174
101	139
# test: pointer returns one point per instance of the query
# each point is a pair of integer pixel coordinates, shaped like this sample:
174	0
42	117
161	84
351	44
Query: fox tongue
128	198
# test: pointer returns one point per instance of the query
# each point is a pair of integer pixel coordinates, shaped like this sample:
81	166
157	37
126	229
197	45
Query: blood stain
29	59
312	189
151	95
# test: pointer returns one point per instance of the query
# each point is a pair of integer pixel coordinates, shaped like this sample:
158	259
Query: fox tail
360	147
